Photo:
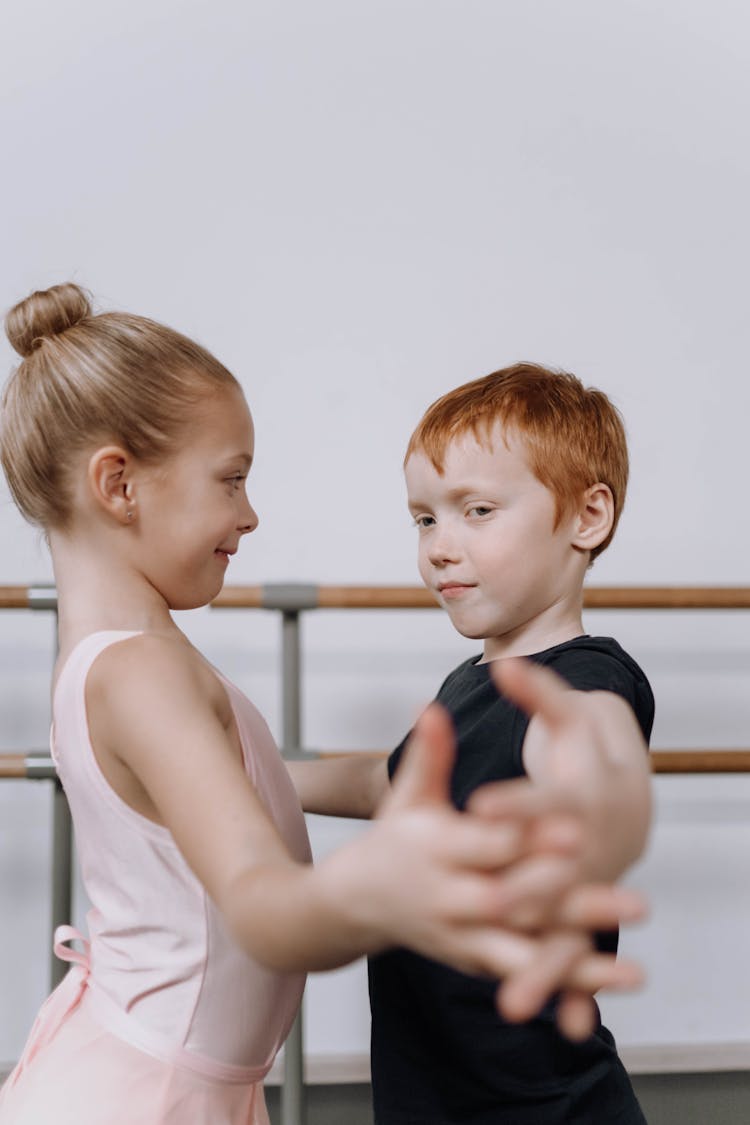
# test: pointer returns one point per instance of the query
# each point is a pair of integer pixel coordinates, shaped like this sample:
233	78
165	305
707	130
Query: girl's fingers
461	846
530	892
576	1015
601	907
536	893
533	970
424	775
604	970
520	798
451	843
484	951
521	995
552	817
563	961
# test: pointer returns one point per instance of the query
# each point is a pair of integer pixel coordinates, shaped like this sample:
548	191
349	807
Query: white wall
358	206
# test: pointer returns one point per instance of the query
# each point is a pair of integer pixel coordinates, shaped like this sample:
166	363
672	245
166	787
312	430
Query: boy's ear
595	517
111	481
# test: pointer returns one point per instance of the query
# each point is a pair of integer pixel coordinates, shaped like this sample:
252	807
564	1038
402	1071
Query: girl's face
193	509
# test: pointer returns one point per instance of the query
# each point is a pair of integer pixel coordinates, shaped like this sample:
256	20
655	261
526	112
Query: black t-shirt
441	1054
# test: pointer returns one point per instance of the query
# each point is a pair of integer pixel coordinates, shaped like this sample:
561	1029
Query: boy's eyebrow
414	501
459	491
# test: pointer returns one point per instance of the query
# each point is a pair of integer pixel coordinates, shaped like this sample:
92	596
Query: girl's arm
350	785
423	875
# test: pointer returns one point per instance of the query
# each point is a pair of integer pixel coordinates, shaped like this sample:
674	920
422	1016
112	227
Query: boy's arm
350	785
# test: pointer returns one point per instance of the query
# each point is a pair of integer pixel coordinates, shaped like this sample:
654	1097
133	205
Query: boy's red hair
574	436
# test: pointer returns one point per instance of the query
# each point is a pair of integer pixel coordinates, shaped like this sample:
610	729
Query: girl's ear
110	479
595	517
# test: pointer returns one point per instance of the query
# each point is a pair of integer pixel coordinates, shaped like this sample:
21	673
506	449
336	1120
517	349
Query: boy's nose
443	549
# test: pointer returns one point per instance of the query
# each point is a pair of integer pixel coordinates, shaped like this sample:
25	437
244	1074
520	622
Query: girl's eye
423	522
236	481
479	510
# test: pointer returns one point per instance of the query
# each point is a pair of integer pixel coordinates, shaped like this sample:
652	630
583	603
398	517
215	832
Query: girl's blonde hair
88	378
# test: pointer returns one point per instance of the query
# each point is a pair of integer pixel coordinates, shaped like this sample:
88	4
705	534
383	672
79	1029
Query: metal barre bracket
297	754
43	596
289	596
40	767
27	765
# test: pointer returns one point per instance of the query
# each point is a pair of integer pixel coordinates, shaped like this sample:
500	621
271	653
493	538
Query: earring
130	515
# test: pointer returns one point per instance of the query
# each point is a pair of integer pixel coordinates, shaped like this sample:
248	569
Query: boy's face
489	549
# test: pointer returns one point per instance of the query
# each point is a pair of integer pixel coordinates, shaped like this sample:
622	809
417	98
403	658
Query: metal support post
62	873
44	597
293	1088
38	766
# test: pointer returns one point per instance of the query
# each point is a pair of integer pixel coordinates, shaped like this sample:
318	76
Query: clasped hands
502	892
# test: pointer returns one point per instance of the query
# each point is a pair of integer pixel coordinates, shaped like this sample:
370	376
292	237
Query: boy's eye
423	522
237	480
479	510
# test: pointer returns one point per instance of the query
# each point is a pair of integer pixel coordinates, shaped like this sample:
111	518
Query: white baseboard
685	1058
327	1070
657	1058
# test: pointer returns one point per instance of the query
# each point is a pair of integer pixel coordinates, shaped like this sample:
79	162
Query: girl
130	446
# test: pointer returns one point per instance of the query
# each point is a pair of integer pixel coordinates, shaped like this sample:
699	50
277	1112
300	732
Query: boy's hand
592	766
448	872
544	886
585	747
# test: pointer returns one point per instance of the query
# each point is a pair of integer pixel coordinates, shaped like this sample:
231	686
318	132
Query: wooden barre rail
662	761
12	765
14	597
27	766
417	597
294	597
308	596
40	766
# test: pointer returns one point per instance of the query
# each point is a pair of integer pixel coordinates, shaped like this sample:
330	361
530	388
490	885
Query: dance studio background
357	206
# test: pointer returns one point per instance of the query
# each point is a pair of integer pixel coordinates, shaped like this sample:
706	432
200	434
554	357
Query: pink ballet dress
162	1019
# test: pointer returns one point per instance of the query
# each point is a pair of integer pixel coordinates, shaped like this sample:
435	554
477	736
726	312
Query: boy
516	483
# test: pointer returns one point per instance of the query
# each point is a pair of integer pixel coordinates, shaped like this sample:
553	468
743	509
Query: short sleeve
595	664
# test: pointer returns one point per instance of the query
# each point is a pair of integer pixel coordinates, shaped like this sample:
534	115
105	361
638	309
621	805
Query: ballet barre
37	765
295	597
291	600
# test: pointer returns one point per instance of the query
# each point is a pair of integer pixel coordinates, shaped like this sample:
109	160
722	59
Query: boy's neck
559	623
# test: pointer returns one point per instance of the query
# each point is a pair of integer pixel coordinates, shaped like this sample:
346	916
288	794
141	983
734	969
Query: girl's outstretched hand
433	879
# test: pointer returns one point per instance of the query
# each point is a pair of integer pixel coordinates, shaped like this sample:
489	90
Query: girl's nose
248	518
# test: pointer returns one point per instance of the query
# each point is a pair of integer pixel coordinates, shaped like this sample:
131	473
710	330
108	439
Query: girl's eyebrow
244	458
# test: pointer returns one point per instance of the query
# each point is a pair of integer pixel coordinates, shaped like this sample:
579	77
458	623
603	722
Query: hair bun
48	312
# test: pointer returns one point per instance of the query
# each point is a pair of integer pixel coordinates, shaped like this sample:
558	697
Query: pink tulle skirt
73	1072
